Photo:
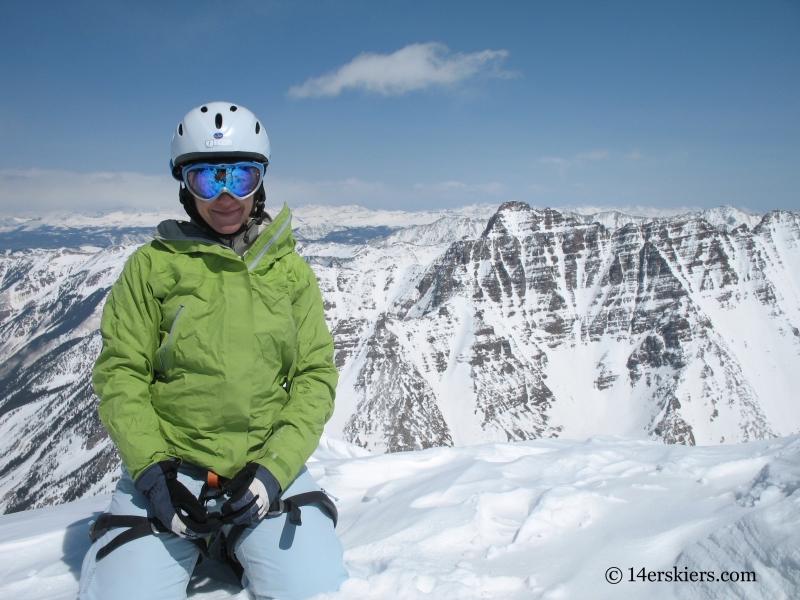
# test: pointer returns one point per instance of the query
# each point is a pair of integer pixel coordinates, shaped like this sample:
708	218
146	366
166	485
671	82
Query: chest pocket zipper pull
164	358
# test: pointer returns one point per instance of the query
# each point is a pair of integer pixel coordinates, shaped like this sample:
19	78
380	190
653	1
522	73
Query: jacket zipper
271	241
165	354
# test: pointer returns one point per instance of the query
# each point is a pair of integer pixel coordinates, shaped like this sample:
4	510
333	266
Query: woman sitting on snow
215	380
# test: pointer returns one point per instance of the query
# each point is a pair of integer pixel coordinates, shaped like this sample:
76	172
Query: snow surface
535	519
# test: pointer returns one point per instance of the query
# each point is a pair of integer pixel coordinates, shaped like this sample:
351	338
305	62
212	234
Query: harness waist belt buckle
95	533
275	513
154	527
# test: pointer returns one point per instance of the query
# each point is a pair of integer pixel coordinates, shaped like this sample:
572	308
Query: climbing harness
139	526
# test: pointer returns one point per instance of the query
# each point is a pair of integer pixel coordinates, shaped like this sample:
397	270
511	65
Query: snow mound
537	519
766	542
331	448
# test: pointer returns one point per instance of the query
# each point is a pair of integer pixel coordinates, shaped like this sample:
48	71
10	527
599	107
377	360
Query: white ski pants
280	560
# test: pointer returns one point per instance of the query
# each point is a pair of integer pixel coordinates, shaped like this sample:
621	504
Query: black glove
174	505
250	492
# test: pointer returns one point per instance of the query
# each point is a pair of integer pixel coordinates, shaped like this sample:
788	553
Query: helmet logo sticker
212	143
218	135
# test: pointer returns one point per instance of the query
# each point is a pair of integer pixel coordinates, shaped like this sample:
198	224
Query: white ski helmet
218	131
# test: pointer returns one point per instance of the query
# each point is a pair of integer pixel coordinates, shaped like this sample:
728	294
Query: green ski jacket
215	359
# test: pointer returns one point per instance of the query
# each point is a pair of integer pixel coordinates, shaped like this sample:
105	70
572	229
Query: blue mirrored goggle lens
208	181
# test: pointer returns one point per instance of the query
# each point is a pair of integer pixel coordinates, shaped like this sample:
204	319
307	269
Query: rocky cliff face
533	324
549	324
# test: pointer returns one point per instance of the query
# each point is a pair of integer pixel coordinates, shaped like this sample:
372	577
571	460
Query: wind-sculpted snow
546	518
765	541
457	330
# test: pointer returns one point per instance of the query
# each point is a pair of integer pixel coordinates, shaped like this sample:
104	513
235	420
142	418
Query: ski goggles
208	182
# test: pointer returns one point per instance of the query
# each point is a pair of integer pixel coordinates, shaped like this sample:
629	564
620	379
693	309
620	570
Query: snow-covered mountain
457	329
550	325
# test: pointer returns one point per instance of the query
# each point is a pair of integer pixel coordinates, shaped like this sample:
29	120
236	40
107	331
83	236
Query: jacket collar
275	241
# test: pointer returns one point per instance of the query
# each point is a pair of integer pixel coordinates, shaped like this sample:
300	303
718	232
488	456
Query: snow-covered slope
722	217
52	445
316	222
445	230
536	519
457	331
358	216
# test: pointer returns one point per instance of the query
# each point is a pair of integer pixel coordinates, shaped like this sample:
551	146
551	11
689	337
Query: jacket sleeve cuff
270	483
135	473
278	469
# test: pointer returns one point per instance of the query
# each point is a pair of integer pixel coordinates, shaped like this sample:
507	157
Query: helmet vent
258	127
233	109
218	121
180	129
203	109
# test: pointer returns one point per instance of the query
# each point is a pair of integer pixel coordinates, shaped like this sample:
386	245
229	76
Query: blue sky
408	104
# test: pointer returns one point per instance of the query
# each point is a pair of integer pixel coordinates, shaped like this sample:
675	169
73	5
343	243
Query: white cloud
39	191
36	190
593	155
578	158
635	154
415	67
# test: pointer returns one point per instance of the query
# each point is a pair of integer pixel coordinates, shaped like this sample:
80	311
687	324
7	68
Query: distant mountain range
451	328
345	224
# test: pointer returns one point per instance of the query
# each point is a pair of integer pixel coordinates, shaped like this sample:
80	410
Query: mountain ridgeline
531	323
